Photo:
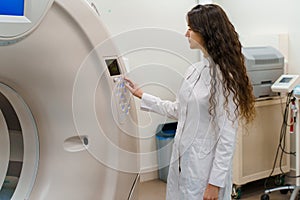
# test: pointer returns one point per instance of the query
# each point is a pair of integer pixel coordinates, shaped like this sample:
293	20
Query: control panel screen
113	67
12	7
285	80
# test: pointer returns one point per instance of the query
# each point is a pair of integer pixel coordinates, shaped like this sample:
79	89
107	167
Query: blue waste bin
164	141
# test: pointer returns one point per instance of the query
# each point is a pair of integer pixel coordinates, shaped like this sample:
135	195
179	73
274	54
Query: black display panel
113	67
285	80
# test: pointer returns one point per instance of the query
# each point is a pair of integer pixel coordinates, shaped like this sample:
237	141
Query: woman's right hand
133	88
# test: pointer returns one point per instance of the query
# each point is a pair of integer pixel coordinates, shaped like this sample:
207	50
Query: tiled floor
156	189
152	190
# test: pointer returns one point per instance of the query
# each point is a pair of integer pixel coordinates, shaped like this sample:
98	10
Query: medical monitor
12	7
285	83
18	17
285	80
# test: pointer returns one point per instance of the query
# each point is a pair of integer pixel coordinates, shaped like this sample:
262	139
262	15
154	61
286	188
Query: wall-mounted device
285	83
264	66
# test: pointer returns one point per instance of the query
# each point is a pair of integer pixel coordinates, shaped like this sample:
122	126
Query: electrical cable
282	142
283	151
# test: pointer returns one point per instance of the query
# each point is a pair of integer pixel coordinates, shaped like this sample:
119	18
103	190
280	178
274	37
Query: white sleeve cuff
218	177
147	101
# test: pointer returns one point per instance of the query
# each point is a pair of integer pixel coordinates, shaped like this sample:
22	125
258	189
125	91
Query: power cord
282	142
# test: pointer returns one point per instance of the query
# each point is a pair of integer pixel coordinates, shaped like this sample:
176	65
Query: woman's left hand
211	192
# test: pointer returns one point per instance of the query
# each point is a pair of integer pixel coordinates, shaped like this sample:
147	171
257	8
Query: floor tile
156	190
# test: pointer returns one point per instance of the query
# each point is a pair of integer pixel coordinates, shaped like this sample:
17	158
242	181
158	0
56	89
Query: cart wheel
285	191
279	180
264	197
236	192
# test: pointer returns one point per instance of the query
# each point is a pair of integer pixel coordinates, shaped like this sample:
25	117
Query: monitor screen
113	67
285	80
12	7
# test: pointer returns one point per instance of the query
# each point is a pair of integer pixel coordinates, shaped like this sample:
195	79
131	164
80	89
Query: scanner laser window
113	67
12	7
285	80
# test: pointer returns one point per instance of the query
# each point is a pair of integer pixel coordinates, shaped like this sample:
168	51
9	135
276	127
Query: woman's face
195	40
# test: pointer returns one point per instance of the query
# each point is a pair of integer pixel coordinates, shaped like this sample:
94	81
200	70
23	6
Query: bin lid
158	137
166	134
167	130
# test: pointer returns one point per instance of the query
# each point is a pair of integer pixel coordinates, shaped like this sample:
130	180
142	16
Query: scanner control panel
121	95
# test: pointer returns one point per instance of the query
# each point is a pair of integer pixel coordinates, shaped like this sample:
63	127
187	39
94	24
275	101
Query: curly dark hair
221	42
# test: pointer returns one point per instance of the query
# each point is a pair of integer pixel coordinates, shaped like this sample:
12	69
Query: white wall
126	15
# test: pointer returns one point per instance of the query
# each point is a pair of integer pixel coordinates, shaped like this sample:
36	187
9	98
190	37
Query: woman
214	96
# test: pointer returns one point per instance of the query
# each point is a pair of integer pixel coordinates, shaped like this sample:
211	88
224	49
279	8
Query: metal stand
297	186
294	188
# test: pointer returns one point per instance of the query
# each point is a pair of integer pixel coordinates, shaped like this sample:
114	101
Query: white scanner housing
68	125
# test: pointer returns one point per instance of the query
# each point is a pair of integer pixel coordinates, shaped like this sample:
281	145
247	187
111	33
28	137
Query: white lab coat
202	152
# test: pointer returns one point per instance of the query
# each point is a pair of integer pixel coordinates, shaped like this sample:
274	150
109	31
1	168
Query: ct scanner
68	126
